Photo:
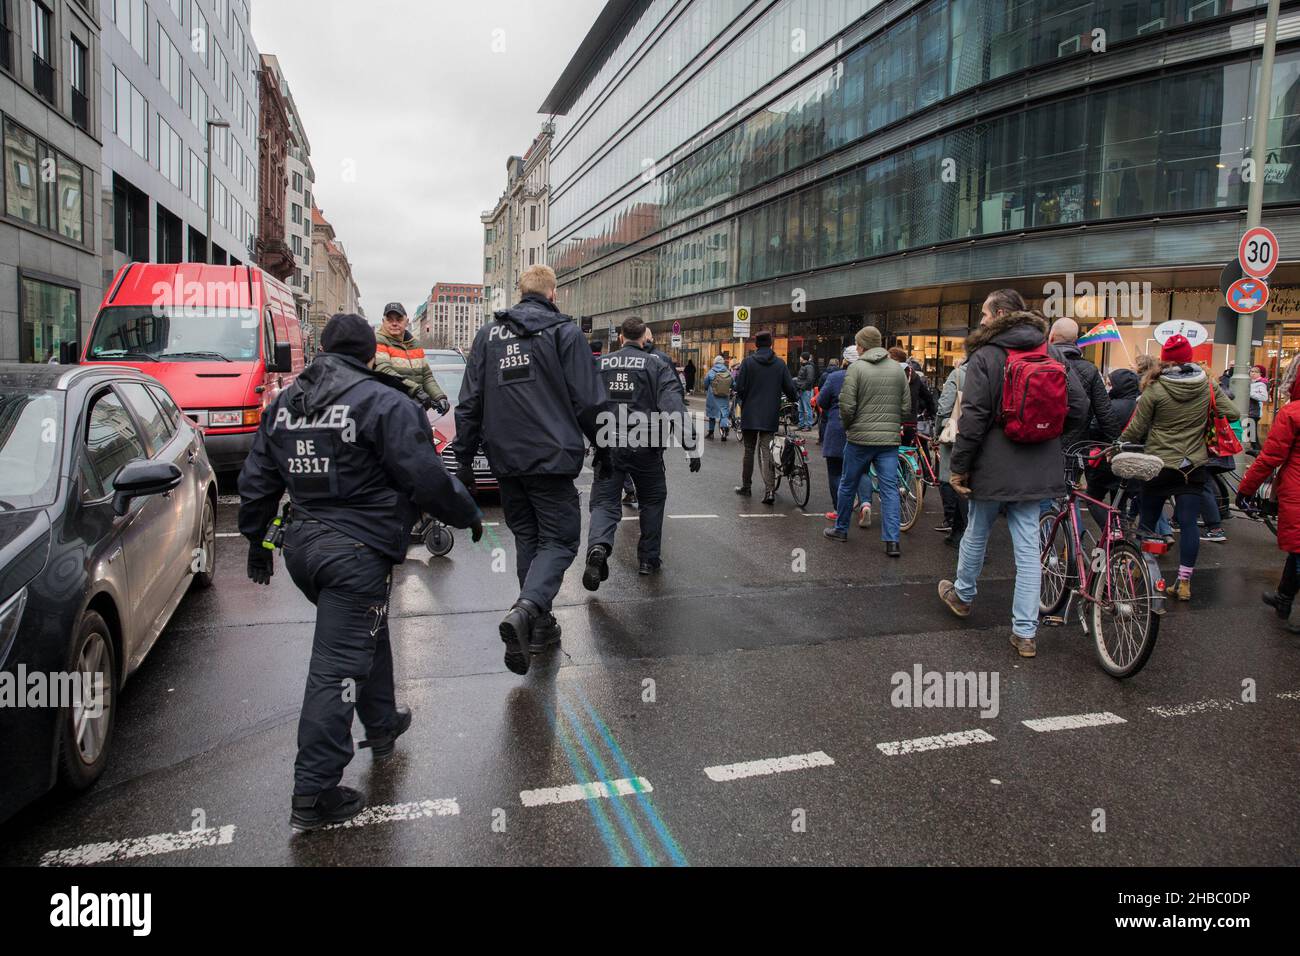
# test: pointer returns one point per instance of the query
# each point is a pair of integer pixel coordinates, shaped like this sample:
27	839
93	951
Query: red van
224	340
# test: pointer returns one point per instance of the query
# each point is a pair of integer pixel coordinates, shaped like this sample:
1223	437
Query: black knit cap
347	334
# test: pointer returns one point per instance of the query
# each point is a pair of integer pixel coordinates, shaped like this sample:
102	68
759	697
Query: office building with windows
50	283
170	67
452	316
830	163
515	231
300	183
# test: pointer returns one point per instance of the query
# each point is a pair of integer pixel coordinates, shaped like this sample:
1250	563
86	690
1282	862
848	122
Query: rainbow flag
1104	331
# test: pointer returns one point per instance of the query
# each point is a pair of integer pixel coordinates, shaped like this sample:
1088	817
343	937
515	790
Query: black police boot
597	569
649	567
517	631
546	633
382	747
892	549
1280	605
743	491
322	809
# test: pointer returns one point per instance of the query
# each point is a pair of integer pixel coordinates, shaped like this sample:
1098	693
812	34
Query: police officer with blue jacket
646	412
530	395
356	456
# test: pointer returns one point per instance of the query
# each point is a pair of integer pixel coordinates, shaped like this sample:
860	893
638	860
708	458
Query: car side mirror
140	479
284	358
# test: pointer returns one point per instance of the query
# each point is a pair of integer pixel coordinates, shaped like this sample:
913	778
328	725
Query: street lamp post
212	124
1255	201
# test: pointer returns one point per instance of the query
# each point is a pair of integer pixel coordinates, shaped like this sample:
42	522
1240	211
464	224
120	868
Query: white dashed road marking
596	790
961	738
1197	707
1073	722
154	845
761	516
396	812
770	765
679	517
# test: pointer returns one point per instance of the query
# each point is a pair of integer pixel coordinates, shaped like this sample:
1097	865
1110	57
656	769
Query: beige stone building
333	289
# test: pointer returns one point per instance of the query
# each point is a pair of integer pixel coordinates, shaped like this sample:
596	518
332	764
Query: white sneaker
864	516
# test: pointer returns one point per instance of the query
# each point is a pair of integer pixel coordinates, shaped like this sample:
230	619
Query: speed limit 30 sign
1258	252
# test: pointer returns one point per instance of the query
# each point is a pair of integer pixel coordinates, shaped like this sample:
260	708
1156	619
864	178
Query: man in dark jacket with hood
996	473
760	385
357	458
1099	423
1123	395
530	395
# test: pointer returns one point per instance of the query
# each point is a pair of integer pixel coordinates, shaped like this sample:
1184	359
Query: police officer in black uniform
645	397
530	394
356	456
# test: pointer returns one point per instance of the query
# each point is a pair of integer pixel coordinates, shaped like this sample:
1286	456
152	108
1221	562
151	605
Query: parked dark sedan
107	515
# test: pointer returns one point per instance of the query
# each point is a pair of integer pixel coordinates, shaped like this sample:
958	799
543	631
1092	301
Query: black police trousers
646	469
351	658
544	515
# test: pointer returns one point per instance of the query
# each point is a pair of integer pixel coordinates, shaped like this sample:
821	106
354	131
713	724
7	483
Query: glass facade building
829	163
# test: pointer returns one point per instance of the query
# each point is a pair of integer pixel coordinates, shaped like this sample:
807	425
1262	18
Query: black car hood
24	548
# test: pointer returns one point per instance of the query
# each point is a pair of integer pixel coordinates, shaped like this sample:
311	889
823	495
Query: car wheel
86	726
207	568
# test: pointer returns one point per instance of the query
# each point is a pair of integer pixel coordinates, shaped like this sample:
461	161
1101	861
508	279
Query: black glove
425	401
261	563
443	405
602	467
695	463
476	531
465	472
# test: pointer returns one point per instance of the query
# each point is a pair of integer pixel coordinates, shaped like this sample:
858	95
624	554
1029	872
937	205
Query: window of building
48	318
223	14
198	103
178	8
132	19
221	70
296	212
297	182
171	156
198	180
170	72
297	245
129	111
199	33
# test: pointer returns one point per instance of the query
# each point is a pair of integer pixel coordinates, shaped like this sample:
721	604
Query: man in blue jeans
994	473
874	402
807	381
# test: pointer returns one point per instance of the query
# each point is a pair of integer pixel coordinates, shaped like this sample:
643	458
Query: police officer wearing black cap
530	394
357	459
646	411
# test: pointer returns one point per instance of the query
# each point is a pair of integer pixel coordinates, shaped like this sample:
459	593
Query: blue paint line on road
646	802
617	855
630	827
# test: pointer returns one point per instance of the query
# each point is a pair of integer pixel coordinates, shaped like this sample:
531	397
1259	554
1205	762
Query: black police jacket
641	383
355	453
530	393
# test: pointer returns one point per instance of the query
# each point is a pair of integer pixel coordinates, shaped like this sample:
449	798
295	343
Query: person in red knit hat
1170	419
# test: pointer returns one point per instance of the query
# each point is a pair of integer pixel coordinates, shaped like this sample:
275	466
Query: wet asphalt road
759	640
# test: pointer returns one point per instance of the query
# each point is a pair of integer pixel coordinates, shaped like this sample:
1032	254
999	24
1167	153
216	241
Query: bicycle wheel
910	493
1124	622
800	486
1056	547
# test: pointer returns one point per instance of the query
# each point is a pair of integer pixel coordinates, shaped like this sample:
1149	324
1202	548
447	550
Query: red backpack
1035	396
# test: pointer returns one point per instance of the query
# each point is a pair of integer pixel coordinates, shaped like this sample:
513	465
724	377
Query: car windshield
31	439
172	334
449	380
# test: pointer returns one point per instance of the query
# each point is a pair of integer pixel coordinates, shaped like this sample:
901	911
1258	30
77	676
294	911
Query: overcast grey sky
410	95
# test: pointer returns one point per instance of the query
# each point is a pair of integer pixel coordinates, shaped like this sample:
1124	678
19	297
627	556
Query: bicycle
790	460
1120	591
917	470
